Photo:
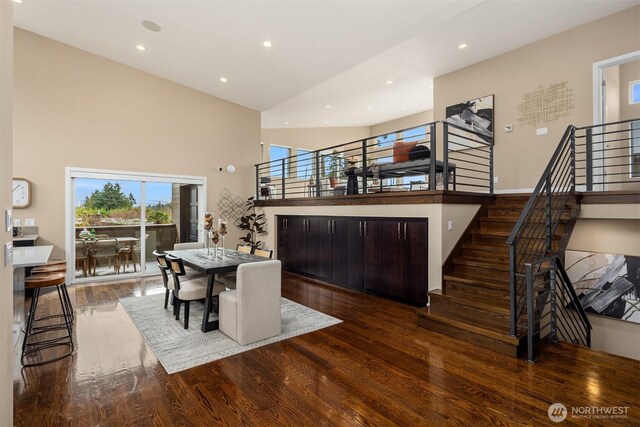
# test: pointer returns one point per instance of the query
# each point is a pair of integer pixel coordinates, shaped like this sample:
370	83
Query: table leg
208	303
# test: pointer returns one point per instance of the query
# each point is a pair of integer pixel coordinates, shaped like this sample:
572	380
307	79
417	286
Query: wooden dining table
211	265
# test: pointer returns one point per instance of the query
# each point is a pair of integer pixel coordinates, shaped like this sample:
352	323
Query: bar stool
38	282
57	267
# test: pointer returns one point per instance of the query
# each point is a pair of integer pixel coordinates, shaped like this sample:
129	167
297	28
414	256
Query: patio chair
82	256
104	249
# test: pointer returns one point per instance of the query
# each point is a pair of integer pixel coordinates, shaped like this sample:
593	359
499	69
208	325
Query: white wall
6	272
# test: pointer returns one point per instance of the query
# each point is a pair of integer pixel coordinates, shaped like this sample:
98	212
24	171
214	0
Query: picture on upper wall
607	284
475	115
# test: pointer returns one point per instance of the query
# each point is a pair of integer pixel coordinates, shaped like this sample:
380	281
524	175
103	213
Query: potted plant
253	223
336	168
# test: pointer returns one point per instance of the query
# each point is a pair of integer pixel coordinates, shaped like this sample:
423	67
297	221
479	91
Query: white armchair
251	312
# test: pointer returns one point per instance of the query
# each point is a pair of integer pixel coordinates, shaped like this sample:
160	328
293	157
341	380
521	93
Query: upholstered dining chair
165	270
251	312
188	290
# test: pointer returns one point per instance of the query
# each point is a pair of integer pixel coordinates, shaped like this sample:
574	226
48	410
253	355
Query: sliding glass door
116	220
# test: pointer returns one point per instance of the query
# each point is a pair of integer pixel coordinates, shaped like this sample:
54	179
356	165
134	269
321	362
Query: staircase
473	304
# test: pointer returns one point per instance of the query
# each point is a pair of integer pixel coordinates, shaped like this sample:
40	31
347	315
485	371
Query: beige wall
6	272
627	73
614	236
73	108
520	156
440	243
402	123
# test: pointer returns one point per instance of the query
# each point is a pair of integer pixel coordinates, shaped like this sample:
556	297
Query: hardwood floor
376	368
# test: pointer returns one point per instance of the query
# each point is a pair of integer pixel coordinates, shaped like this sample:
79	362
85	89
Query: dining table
211	262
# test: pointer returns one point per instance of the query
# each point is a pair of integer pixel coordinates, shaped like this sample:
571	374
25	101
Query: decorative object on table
222	230
208	226
335	167
84	234
21	193
475	115
253	223
215	239
607	284
178	349
350	172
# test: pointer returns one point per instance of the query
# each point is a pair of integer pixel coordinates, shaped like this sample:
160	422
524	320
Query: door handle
399	231
405	231
328	227
360	228
333	227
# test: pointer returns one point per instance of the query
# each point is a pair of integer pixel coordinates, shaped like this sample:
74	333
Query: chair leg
166	298
176	308
186	314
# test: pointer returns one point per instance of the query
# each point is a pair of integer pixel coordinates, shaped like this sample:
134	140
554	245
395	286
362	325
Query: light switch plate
29	222
450	225
17	222
8	220
508	128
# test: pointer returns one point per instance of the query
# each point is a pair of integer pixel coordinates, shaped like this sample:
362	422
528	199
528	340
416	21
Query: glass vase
207	243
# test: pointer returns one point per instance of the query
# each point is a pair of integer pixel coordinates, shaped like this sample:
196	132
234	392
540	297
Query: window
304	168
277	152
635	149
415	134
634	92
386	141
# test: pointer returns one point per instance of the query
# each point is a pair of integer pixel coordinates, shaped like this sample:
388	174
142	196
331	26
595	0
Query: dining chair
105	249
82	256
252	312
137	252
244	248
165	270
187	246
188	290
263	253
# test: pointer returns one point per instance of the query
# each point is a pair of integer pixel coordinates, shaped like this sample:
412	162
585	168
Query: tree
110	197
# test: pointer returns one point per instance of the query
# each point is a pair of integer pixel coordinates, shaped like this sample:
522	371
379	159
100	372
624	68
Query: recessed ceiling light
223	79
141	48
403	108
286	123
17	1
326	123
462	46
389	82
327	106
151	26
369	108
266	43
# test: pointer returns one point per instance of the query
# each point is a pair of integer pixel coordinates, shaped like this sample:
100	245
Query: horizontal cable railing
468	159
402	160
553	309
608	156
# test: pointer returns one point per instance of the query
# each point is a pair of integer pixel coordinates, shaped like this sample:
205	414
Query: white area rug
179	349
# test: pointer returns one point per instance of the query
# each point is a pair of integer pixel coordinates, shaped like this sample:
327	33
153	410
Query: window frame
287	166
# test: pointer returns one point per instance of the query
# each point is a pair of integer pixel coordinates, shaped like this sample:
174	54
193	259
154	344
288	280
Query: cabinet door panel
373	256
339	253
324	248
392	247
283	243
313	245
297	251
416	265
355	254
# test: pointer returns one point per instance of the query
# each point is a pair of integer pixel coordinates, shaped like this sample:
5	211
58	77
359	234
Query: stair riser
482	293
464	313
497	241
467	336
483	273
485	264
510	215
509	226
478	289
500	256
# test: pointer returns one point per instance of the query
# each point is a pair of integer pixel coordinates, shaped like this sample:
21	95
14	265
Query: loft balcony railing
402	160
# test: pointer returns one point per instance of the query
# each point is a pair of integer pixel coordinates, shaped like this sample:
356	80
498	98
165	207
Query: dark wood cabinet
387	256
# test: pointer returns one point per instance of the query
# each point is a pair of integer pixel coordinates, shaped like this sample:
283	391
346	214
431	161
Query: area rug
178	349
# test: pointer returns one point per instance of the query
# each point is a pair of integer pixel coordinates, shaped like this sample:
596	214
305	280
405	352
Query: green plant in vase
336	167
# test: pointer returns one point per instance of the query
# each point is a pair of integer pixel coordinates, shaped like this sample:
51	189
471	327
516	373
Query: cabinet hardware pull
304	225
360	228
329	227
399	231
365	229
405	231
333	227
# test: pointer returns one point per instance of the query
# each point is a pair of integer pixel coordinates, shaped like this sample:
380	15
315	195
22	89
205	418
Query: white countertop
31	256
26	237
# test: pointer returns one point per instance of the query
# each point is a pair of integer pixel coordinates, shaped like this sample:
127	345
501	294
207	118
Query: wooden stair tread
508	339
482	263
495	305
504	233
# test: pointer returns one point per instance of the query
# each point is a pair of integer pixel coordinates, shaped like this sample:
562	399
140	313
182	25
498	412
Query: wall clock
21	193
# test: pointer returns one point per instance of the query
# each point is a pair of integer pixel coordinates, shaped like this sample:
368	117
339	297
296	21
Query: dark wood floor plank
376	368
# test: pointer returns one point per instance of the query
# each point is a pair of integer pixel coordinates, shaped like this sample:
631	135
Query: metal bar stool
30	344
57	267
